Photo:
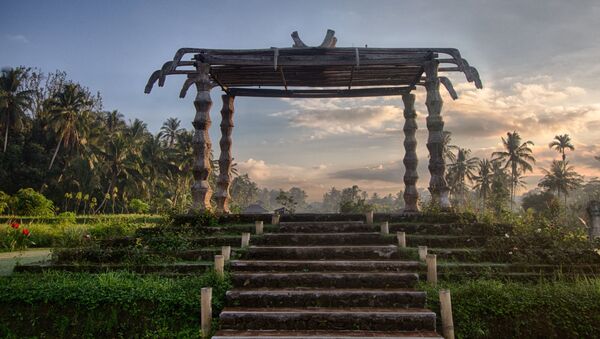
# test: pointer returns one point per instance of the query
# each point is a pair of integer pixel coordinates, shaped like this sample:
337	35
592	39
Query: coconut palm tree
170	130
561	178
448	148
561	143
483	180
516	155
67	110
13	101
461	171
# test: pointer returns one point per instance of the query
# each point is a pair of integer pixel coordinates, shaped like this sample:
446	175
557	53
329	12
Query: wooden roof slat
318	93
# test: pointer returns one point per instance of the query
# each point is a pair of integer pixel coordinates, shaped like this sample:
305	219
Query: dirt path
8	260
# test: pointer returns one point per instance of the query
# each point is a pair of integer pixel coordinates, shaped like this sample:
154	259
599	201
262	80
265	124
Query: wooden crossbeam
318	93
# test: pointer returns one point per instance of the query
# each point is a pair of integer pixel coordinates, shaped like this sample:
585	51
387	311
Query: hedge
495	309
114	305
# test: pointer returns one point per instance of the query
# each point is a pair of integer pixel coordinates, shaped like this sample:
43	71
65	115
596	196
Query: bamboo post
401	239
259	226
422	253
384	228
220	265
245	239
446	311
226	252
275	219
205	311
369	217
431	269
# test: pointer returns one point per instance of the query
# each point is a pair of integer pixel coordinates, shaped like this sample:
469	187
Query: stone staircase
326	280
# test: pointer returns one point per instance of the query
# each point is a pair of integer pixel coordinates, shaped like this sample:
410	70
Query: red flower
25	232
14	225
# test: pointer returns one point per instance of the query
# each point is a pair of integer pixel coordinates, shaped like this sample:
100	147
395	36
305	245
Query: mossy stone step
373	319
337	334
315	239
324	265
329	252
324	279
341	298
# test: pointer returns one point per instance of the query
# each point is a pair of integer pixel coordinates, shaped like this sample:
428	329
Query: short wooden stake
275	219
369	217
245	239
385	228
446	310
401	239
422	253
220	265
259	227
226	252
431	269
205	311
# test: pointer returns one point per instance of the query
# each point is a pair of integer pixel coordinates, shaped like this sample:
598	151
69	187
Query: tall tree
461	171
171	130
561	143
14	101
448	147
67	109
561	178
483	180
518	157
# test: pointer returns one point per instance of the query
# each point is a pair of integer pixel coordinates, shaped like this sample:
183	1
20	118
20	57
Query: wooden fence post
401	239
422	253
431	269
205	311
220	266
385	228
226	252
446	311
245	239
259	226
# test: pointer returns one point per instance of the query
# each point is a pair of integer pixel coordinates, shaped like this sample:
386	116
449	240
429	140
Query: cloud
282	175
17	38
391	172
335	116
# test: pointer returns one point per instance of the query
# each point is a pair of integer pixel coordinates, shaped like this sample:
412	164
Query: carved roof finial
329	41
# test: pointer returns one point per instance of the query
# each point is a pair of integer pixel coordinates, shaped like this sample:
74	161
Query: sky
537	61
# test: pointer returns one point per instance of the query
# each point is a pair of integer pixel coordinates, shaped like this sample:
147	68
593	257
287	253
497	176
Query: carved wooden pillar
201	191
435	125
225	160
410	160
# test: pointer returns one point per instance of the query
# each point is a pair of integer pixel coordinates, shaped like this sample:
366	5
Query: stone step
342	298
325	265
313	239
232	334
366	319
324	279
328	252
327	227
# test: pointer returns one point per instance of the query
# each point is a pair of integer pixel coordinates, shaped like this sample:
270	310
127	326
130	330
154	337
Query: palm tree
170	130
13	101
447	147
516	155
561	143
483	180
461	169
67	109
561	178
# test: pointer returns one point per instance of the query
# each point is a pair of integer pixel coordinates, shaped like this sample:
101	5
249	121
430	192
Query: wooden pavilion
325	71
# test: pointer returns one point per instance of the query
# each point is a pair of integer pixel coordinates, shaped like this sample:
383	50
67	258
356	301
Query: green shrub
138	206
494	309
113	305
31	203
67	218
4	201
